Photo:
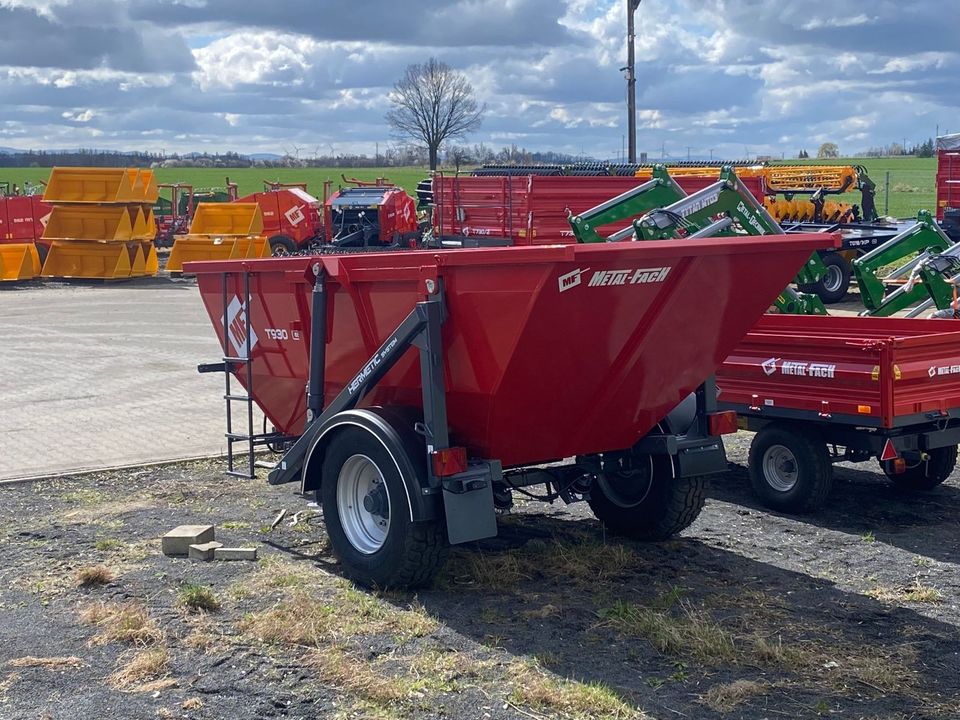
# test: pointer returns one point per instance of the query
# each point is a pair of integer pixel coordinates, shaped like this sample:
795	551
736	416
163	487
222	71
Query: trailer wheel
833	286
790	469
927	475
281	245
646	502
367	516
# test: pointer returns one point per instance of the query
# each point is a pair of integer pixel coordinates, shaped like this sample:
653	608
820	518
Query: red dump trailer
820	390
532	209
524	356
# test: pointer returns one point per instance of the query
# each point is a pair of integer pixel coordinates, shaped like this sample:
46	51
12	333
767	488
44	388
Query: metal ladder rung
230	362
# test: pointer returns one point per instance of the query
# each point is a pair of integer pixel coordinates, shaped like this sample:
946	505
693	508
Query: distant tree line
829	150
393	155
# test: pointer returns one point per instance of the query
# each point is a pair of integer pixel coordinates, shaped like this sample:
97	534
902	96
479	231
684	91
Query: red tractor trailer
440	382
948	184
532	209
820	390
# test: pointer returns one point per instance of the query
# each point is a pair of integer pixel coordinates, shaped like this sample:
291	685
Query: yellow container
88	222
18	261
215	219
87	260
187	249
91	185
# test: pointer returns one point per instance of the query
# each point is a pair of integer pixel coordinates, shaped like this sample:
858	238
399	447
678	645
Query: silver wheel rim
365	530
832	279
780	468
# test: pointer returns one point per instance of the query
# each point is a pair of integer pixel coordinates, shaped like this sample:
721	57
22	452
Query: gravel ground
849	613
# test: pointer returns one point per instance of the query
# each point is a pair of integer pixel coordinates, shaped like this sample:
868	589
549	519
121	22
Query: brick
177	542
203	551
235	553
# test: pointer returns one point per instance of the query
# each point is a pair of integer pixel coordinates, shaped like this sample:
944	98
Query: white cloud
710	73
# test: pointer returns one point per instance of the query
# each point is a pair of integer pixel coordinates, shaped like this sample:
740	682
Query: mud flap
468	502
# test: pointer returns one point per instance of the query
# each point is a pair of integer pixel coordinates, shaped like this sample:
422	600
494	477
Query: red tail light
449	461
722	423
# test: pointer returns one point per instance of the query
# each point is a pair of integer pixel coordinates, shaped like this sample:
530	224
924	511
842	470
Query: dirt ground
849	613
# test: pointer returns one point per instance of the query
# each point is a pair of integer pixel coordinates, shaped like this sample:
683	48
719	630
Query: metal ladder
237	347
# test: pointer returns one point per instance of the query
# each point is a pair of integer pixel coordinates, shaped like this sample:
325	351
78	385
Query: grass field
251	179
912	182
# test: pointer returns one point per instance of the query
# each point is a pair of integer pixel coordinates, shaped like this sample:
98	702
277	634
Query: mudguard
394	429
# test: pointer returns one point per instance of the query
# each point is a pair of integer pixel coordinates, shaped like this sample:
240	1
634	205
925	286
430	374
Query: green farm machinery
927	261
661	210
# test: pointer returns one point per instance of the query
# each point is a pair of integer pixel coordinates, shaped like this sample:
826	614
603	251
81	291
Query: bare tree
433	103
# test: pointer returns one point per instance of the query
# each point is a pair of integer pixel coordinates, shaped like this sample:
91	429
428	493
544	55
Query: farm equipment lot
103	375
850	613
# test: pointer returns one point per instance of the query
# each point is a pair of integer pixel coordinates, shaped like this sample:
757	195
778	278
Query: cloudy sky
735	76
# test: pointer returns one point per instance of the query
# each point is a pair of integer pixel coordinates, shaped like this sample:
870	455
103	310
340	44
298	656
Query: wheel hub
375	502
626	481
833	278
780	468
363	504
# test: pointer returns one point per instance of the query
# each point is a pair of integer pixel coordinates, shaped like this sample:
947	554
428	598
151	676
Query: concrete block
235	553
177	542
204	551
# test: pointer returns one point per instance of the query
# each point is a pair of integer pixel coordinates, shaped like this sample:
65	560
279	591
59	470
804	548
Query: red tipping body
549	351
875	372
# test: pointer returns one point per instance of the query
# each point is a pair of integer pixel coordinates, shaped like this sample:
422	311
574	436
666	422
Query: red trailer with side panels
22	219
819	390
532	209
524	356
948	184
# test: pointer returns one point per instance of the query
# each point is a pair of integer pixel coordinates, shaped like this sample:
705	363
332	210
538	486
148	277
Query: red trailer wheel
646	502
367	516
927	475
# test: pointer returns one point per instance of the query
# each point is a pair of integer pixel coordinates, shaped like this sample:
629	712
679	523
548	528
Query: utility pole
630	69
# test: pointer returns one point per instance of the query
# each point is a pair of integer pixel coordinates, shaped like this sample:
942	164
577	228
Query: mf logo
294	215
236	322
571	279
769	366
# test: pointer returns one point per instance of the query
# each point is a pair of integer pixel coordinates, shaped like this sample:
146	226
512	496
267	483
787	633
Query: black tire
648	503
790	469
927	475
411	553
42	251
281	245
833	286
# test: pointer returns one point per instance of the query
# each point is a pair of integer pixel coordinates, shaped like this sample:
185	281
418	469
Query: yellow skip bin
227	219
88	260
18	261
90	222
91	185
